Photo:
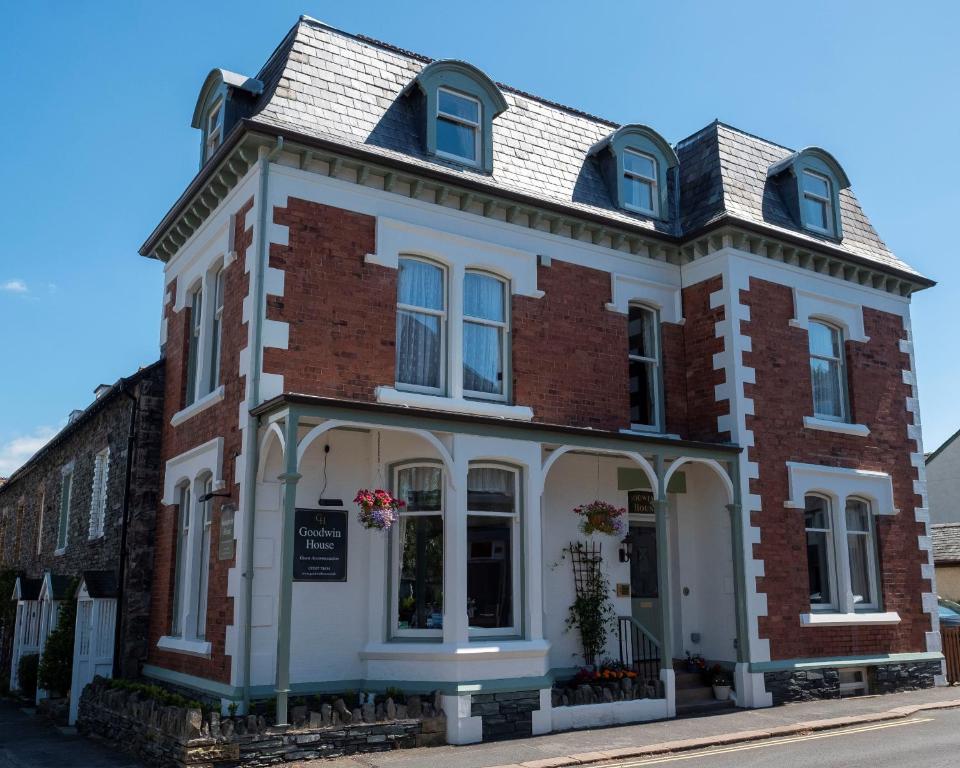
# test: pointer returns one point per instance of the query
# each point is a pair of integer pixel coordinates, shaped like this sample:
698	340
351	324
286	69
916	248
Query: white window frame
839	559
826	201
443	314
848	687
634	177
194	355
831	575
213	127
504	327
657	365
841	361
205	522
216	329
476	126
395	629
63	520
99	493
516	544
181	561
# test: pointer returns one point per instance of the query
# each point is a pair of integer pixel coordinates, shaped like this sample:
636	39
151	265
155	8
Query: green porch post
663	567
290	478
739	580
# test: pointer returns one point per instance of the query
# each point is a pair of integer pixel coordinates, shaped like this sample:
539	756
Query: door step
705	706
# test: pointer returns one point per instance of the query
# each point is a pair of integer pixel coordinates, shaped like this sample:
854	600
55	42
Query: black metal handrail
639	650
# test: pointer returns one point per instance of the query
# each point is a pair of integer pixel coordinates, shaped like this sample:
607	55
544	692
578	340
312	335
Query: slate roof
61	587
30	588
333	86
100	584
946	543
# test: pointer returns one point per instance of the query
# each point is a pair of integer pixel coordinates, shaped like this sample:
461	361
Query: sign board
640	503
225	544
320	545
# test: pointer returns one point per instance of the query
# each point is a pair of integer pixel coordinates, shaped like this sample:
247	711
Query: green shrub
161	695
27	674
56	667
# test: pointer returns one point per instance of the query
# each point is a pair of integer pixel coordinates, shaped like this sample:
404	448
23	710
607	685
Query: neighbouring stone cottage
393	273
77	522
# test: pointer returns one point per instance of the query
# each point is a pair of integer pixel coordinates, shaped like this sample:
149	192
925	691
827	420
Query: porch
470	591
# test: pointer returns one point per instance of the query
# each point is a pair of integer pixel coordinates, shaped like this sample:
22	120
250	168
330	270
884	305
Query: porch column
739	580
289	478
662	510
455	624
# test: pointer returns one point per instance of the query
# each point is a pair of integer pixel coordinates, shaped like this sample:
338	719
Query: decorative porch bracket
289	478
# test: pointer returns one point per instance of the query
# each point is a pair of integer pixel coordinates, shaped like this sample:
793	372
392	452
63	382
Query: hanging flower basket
601	517
378	509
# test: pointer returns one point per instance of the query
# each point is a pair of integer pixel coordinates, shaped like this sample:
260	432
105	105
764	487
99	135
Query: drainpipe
124	524
251	455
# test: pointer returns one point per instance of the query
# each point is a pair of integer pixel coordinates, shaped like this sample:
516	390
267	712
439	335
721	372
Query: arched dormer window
457	103
224	98
810	182
635	161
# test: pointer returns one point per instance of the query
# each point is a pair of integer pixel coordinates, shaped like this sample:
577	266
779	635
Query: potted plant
721	686
601	517
378	508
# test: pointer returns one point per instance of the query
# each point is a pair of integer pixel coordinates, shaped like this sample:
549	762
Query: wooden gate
92	644
951	649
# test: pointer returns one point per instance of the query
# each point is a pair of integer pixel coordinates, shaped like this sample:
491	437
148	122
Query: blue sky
98	99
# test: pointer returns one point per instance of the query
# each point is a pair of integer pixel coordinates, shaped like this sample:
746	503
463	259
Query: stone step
704	707
688	679
692	695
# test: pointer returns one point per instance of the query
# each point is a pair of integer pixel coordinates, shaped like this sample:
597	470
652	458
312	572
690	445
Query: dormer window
457	103
458	126
639	182
214	128
809	182
635	162
817	201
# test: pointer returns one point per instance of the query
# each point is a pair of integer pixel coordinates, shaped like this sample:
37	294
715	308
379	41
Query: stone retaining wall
814	684
176	737
505	715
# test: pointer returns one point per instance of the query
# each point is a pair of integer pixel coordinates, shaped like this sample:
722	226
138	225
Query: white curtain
483	299
420	334
490	489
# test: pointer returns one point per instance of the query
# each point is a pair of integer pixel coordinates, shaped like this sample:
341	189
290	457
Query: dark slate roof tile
330	85
946	543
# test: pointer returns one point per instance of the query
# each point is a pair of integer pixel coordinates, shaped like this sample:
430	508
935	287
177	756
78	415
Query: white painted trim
456	652
190	647
825	619
840	427
608	713
839	483
627	289
633	456
191	464
715	465
848	315
392	396
199	406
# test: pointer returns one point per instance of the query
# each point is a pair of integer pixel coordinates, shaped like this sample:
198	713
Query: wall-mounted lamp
214	495
626	549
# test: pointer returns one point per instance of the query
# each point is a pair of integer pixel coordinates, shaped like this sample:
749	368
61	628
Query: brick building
68	513
392	272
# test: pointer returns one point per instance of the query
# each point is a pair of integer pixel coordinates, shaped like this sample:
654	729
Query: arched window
821	569
861	553
485	329
828	371
810	182
418	551
421	326
181	559
645	370
203	566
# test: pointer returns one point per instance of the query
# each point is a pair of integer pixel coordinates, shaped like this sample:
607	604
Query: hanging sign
225	544
320	545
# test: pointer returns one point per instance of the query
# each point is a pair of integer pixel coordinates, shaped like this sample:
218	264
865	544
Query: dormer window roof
635	161
224	98
810	182
457	103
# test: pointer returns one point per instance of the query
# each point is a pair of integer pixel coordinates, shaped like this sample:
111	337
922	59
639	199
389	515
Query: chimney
74	415
101	390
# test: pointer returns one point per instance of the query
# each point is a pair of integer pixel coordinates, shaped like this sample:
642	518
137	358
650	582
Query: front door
644	589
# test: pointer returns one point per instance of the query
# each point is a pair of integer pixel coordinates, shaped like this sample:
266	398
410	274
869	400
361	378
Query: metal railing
639	650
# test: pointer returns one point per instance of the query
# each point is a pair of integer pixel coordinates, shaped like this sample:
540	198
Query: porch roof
443	421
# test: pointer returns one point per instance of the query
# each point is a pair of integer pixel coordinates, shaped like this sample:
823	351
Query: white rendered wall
943	485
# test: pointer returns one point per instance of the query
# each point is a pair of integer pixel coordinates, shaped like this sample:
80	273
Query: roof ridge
754	136
427	60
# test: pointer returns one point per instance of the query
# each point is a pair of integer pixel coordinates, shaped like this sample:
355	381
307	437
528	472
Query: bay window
493	548
484	335
827	371
841	555
421	326
418	552
644	360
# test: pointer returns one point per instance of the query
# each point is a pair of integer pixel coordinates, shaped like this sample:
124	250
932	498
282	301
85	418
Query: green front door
644	590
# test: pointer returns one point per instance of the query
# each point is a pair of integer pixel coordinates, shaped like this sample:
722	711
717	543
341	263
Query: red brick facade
782	398
700	345
218	420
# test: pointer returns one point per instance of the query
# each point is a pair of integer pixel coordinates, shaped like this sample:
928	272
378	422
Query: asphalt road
930	740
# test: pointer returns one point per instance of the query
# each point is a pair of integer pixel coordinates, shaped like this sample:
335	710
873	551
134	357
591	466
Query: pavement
28	741
647	741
